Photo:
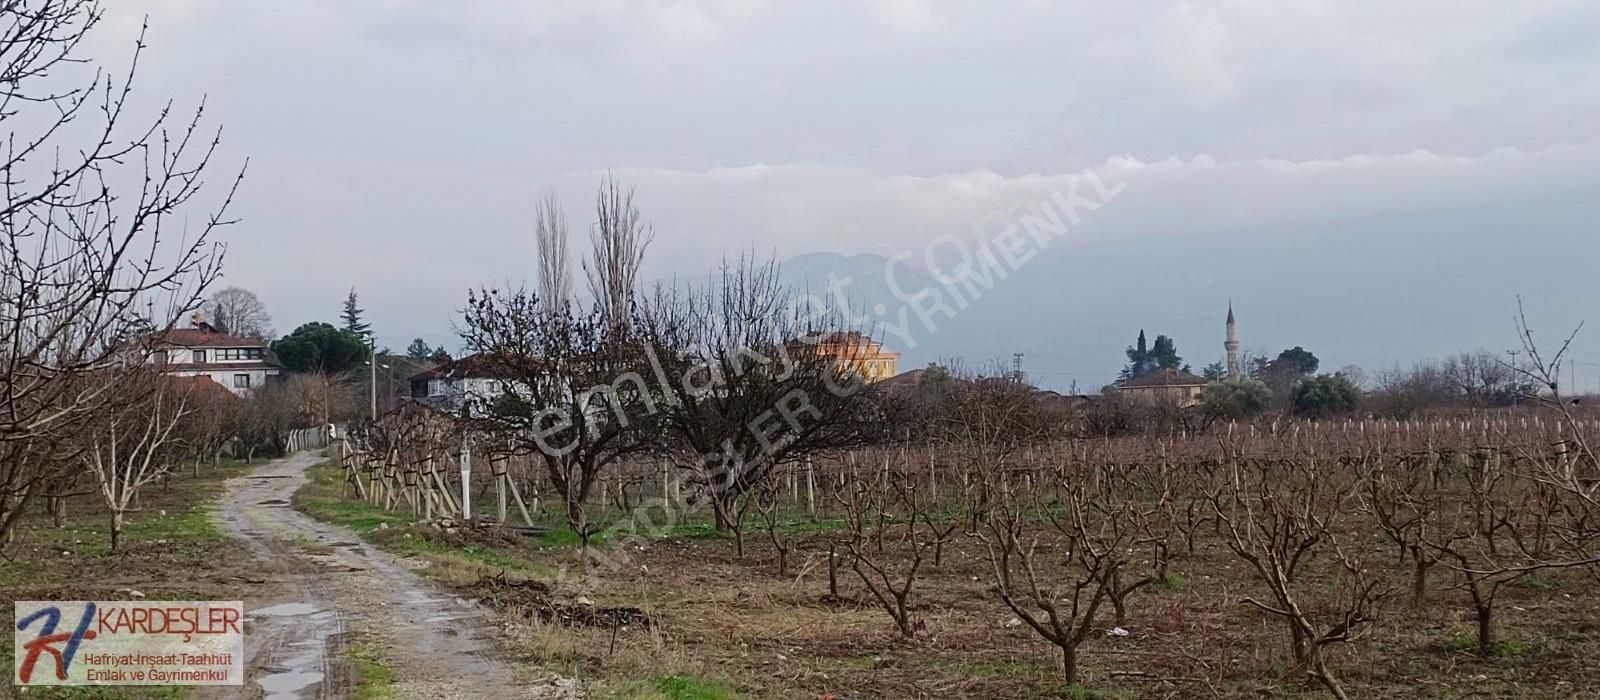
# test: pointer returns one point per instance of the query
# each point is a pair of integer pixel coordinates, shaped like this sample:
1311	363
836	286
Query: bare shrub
1280	514
875	509
1055	550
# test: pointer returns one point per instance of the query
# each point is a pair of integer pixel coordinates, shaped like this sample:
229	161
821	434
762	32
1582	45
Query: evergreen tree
1326	395
352	317
419	350
1144	358
1234	399
1139	361
319	347
1297	361
1164	355
1286	372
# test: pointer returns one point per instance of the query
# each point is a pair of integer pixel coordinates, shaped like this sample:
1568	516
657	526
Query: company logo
129	643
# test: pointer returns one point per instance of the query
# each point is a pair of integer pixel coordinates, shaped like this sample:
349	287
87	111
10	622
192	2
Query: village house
861	353
239	364
1166	386
448	386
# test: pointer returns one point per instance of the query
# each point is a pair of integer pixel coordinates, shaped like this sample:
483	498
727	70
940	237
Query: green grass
668	687
321	499
396	531
372	680
1079	692
699	527
196	524
1171	582
1002	668
177	515
685	688
1501	648
1538	582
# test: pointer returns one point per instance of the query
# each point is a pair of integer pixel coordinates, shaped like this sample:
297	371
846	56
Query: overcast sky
397	146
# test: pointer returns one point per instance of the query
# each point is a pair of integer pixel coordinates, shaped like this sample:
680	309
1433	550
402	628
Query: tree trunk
1069	663
1485	614
1320	671
1299	645
1419	581
58	511
116	529
577	518
1116	594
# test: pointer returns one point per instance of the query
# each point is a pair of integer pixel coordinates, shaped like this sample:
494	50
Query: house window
159	357
239	354
241	381
199	357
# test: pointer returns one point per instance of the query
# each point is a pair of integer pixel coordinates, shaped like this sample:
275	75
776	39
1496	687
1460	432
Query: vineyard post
811	489
500	474
466	480
666	489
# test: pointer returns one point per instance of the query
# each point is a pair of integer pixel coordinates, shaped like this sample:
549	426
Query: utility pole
372	342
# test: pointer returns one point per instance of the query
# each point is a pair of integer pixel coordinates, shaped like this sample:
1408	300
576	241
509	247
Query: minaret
1232	346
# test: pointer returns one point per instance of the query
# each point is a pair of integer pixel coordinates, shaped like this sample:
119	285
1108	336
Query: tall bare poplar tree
555	268
620	238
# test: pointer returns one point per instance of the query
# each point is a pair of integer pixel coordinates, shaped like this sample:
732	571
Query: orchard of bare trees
1329	530
107	235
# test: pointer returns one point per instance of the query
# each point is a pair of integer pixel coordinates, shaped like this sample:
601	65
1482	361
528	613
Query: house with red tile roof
237	363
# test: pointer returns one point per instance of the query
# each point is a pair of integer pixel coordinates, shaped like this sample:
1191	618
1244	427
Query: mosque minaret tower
1232	346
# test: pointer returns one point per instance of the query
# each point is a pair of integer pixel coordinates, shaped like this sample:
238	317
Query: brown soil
723	617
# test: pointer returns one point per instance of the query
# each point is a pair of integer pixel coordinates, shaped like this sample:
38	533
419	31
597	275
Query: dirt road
324	588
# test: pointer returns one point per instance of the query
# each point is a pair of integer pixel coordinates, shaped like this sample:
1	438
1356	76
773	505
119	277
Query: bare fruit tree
769	504
89	260
1279	514
1054	555
875	505
574	396
1404	496
134	445
753	383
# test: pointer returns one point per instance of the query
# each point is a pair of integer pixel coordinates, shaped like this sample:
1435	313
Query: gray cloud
397	144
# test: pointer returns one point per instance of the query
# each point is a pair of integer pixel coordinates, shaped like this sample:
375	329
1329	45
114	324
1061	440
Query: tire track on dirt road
323	584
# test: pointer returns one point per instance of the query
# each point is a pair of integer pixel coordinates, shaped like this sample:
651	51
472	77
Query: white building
239	364
450	385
